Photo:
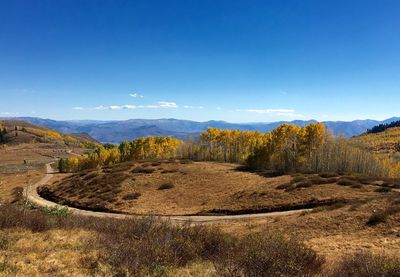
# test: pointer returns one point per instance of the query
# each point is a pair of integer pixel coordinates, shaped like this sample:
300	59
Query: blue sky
239	61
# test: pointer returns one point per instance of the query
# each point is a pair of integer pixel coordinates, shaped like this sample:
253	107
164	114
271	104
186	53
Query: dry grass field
363	213
351	214
182	188
24	164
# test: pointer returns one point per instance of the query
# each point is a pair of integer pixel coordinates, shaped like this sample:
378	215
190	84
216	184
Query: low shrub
141	247
347	182
4	242
186	162
298	179
165	171
285	186
383	189
165	186
377	217
364	264
268	255
132	196
58	211
19	217
304	184
328	175
143	170
146	246
317	180
356	186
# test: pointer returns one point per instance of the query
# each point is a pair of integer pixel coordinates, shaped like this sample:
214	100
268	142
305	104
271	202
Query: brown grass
364	264
198	187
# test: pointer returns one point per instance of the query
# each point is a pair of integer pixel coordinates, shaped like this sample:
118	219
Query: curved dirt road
33	197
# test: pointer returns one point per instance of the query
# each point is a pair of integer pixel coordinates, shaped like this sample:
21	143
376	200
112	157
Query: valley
64	186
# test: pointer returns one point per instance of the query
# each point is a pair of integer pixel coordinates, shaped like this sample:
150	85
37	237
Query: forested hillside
382	127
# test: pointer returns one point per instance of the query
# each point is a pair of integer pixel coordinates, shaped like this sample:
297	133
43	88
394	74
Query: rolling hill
14	132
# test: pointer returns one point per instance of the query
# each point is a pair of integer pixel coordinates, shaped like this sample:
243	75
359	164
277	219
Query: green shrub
58	211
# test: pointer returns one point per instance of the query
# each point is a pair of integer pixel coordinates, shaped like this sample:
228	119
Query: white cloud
163	104
8	113
131	107
136	95
193	107
276	112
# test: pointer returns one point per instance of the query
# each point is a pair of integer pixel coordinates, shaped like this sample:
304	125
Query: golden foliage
138	149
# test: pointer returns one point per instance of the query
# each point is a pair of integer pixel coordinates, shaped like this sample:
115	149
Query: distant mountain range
117	131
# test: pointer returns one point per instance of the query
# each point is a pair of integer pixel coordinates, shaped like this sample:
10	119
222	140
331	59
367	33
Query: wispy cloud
193	107
276	112
8	113
164	104
136	95
159	105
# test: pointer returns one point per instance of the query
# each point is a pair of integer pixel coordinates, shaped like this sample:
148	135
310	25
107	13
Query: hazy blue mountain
117	131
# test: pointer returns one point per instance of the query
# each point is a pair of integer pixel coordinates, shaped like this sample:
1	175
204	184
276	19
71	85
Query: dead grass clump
377	217
143	170
5	241
90	175
132	196
285	186
383	189
328	175
165	186
304	184
367	265
298	179
268	255
317	180
382	215
347	182
186	162
165	171
17	194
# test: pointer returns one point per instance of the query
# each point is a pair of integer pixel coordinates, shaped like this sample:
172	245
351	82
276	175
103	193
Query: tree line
383	127
288	148
138	149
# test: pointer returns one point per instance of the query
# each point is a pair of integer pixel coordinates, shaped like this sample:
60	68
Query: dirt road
35	198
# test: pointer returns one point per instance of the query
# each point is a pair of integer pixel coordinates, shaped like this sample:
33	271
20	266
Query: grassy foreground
53	242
